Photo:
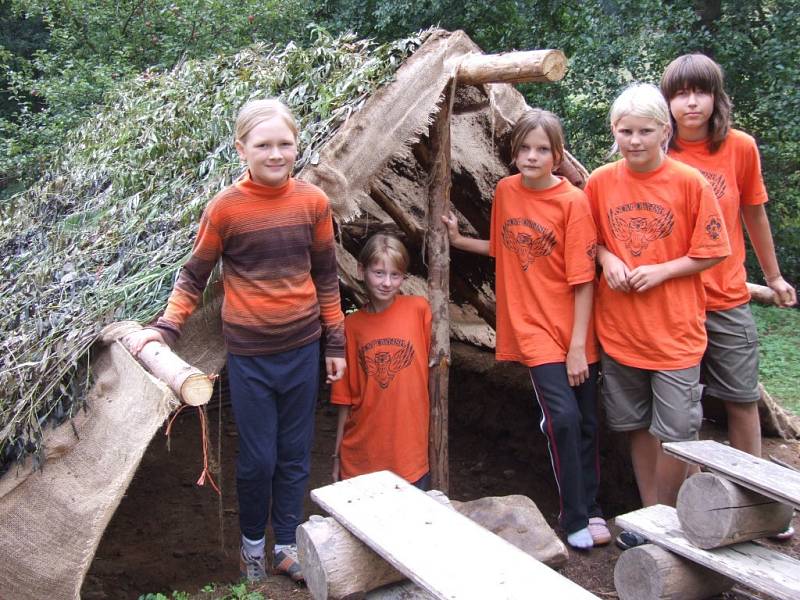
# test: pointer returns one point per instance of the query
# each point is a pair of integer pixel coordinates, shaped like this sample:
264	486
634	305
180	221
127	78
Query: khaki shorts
730	364
665	402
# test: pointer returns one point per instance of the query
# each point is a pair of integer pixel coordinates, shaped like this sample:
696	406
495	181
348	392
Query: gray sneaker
251	568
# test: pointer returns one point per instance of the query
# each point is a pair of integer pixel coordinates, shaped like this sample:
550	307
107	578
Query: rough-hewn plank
751	564
757	474
437	548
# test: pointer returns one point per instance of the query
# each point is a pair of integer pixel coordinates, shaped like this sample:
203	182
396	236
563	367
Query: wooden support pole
438	259
513	67
715	512
189	384
651	573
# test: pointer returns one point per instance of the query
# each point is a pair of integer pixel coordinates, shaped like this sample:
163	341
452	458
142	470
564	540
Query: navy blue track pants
569	420
273	399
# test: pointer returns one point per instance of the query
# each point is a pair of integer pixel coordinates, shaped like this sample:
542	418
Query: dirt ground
169	534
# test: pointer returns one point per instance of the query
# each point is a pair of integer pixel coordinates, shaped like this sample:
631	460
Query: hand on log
190	385
513	67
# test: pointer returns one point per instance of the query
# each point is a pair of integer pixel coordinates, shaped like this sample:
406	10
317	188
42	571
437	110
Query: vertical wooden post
438	258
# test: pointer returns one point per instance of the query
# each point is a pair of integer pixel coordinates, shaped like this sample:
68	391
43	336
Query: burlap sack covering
51	520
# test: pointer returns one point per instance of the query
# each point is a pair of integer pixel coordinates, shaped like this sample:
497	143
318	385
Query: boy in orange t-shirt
383	398
543	239
659	226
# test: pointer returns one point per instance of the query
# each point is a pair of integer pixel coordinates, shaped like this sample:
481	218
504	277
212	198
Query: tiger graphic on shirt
383	358
528	240
636	224
717	181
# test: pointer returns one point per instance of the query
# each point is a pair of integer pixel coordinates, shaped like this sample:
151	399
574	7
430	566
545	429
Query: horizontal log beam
513	67
190	385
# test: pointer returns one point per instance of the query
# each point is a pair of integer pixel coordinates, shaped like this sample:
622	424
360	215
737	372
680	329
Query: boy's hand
577	367
138	339
451	221
334	368
646	277
616	273
785	294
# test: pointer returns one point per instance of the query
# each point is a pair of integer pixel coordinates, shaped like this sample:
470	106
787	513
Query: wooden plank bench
439	549
751	564
762	476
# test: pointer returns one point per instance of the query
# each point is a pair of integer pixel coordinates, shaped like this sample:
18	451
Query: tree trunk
438	259
513	67
190	385
715	512
649	572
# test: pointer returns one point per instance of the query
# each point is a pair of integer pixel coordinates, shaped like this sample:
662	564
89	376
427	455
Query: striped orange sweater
278	269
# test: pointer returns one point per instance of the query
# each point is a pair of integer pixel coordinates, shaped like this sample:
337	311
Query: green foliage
610	43
779	351
94	44
159	596
102	233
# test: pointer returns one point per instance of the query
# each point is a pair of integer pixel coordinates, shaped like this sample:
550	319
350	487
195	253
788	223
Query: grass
779	341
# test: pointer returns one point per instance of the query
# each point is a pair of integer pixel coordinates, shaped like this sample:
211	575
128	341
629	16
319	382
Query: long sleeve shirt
278	269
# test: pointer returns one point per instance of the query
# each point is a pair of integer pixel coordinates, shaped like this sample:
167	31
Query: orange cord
204	435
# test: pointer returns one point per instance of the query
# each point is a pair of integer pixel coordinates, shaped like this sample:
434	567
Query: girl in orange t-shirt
383	397
658	226
543	238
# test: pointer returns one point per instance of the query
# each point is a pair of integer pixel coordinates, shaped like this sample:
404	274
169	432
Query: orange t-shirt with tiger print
646	219
386	387
734	172
544	244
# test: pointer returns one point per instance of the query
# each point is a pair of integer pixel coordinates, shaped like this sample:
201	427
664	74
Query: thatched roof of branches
101	236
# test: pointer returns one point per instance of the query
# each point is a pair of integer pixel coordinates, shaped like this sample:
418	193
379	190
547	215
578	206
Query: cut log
190	385
438	259
337	565
715	512
513	67
755	566
751	472
761	293
651	573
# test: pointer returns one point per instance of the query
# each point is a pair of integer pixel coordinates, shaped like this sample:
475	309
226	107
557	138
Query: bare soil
170	534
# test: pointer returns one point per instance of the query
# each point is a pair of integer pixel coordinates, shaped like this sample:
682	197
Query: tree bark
513	67
761	293
190	385
438	259
649	572
715	512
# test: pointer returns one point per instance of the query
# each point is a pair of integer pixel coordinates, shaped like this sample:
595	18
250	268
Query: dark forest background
60	59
